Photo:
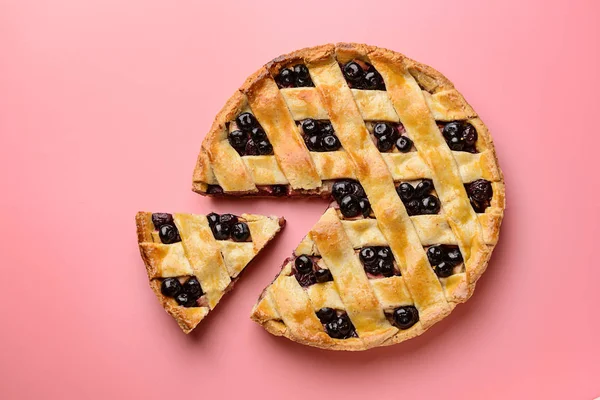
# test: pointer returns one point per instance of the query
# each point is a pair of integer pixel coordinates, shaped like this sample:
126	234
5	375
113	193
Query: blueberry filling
378	261
303	264
351	198
250	138
169	234
361	75
443	258
337	324
279	190
170	287
323	275
228	226
304	273
296	76
214	189
213	218
460	136
160	219
404	144
388	134
319	136
326	314
185	295
418	200
240	232
406	316
480	194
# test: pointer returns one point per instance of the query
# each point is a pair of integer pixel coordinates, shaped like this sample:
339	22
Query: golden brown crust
418	96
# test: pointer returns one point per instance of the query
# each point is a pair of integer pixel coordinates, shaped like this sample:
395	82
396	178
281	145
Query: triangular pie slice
193	260
418	195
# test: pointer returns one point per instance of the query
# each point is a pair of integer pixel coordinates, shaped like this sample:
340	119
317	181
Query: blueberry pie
417	196
193	260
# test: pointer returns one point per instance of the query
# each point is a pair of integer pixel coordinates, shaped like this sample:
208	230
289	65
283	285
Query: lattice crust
416	96
215	263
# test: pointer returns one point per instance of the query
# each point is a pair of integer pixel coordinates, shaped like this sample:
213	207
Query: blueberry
264	147
279	190
381	128
228	219
326	314
444	269
344	325
405	317
349	206
286	78
170	287
306	280
240	232
325	128
435	254
214	189
238	140
404	144
303	82
213	218
251	148
478	207
374	81
258	134
246	121
344	187
373	268
331	143
365	206
367	255
384	253
192	287
168	234
413	207
469	134
184	299
357	189
385	143
480	190
456	143
323	275
314	143
339	328
340	189
160	219
310	126
301	71
406	191
386	267
221	231
453	256
303	264
353	72
430	205
423	188
451	129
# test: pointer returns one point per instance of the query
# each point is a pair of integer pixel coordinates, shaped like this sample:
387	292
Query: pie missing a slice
193	260
418	195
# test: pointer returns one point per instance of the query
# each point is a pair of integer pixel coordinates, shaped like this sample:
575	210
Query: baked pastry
193	260
418	196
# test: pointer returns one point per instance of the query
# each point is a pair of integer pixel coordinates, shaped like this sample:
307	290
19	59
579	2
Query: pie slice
417	193
193	260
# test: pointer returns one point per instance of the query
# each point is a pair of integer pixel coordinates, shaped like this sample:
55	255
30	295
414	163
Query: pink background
103	106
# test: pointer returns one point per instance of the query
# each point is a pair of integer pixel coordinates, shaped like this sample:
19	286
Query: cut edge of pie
422	104
188	269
